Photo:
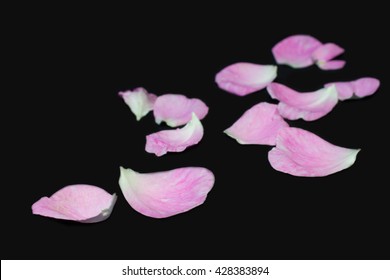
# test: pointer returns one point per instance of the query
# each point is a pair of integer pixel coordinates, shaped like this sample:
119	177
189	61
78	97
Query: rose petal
176	109
139	100
167	193
301	153
331	65
81	203
296	51
176	140
327	52
365	86
244	78
361	87
258	125
344	89
309	106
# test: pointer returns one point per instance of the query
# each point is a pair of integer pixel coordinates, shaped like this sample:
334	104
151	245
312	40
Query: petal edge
301	153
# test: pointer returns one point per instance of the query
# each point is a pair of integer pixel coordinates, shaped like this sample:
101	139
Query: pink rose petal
176	140
139	100
361	88
258	125
80	203
176	109
309	106
365	86
244	78
301	153
296	51
324	55
331	65
167	193
344	89
327	52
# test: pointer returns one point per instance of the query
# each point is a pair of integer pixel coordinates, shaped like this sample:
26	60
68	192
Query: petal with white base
356	89
139	101
167	193
309	106
175	140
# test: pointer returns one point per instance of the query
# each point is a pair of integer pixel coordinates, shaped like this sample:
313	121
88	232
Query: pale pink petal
139	100
359	88
344	89
81	203
296	51
167	193
301	153
309	106
175	140
327	52
244	78
331	65
365	86
177	109
258	125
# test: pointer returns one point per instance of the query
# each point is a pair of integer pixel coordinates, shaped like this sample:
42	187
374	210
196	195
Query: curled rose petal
244	78
80	203
176	140
309	106
324	55
167	193
301	153
327	52
331	65
360	88
177	109
139	100
258	125
296	51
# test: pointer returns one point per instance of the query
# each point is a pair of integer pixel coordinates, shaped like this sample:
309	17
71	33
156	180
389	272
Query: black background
71	127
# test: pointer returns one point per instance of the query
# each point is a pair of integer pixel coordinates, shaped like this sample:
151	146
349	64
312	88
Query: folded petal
177	109
175	140
258	125
331	65
139	100
244	78
167	193
80	203
309	106
301	153
327	52
344	89
359	88
296	51
365	86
